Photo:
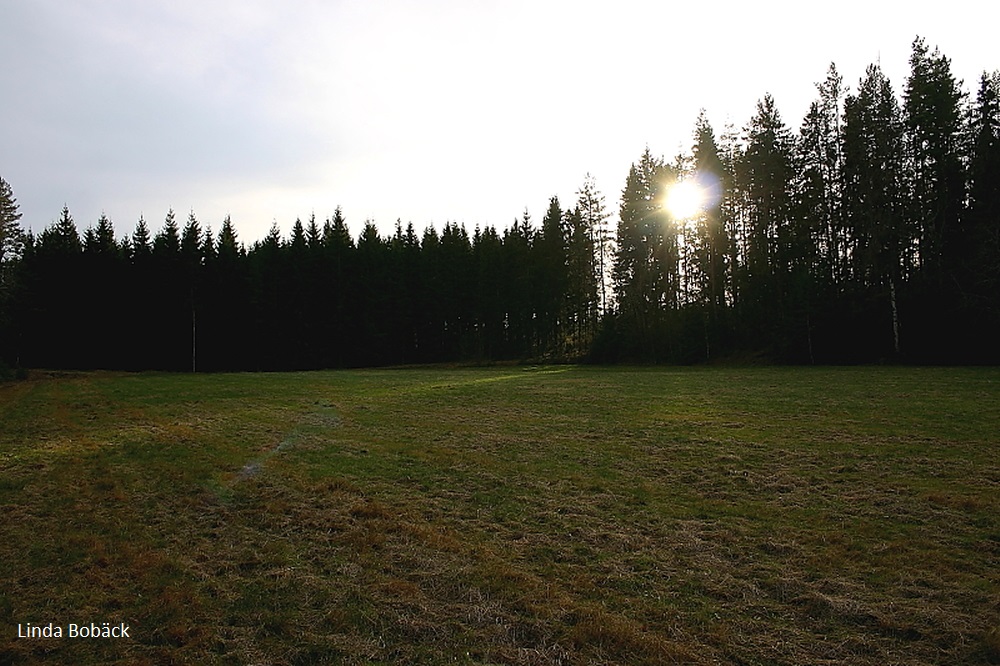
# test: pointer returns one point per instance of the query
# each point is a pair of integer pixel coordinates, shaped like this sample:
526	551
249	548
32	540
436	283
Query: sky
429	111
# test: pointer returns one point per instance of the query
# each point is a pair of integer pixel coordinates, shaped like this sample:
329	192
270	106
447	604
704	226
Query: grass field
564	515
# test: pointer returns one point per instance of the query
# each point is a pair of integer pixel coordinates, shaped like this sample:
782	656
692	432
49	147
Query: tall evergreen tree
11	234
103	272
338	283
711	228
710	243
873	196
314	237
100	239
550	250
62	237
225	332
933	113
984	199
141	242
170	328
372	291
647	260
519	283
138	302
56	304
12	239
594	216
819	179
491	291
981	250
764	174
193	257
582	297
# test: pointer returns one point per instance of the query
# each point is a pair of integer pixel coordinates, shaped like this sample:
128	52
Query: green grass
564	515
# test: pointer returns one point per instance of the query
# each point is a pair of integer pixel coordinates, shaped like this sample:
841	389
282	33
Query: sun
685	199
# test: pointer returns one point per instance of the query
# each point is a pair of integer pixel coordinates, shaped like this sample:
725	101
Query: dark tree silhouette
871	234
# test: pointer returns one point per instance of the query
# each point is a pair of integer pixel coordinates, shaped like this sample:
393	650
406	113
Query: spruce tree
102	274
594	216
169	329
711	228
764	174
141	244
647	260
933	114
57	304
818	181
490	294
981	251
11	234
880	238
519	294
550	268
11	250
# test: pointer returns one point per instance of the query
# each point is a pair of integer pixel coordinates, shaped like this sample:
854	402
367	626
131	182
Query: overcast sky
428	111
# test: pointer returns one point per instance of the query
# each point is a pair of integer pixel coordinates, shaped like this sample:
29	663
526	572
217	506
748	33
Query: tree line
872	233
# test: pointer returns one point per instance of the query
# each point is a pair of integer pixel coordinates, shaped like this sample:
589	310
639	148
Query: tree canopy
871	233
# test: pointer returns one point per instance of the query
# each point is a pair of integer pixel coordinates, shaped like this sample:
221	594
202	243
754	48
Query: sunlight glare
685	199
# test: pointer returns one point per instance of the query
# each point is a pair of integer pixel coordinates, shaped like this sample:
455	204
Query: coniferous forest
869	234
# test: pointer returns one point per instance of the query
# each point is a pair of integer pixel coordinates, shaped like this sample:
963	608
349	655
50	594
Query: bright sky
425	110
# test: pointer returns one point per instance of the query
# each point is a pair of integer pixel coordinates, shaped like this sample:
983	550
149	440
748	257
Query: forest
871	234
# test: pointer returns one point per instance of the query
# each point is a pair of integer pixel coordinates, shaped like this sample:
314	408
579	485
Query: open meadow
507	515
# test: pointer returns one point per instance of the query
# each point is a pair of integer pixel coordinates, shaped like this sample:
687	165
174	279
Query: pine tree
103	271
456	289
167	242
191	242
581	289
371	290
594	216
192	255
229	248
933	113
314	237
169	329
764	174
405	293
12	240
56	302
819	179
62	237
873	194
647	259
981	251
137	306
297	244
985	175
518	287
11	234
707	244
490	294
550	250
711	228
141	244
226	317
296	313
338	283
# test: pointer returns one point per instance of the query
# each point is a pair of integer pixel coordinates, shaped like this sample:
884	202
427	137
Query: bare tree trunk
194	339
895	316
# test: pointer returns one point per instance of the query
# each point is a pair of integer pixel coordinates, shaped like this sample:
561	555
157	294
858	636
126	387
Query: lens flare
692	196
685	199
